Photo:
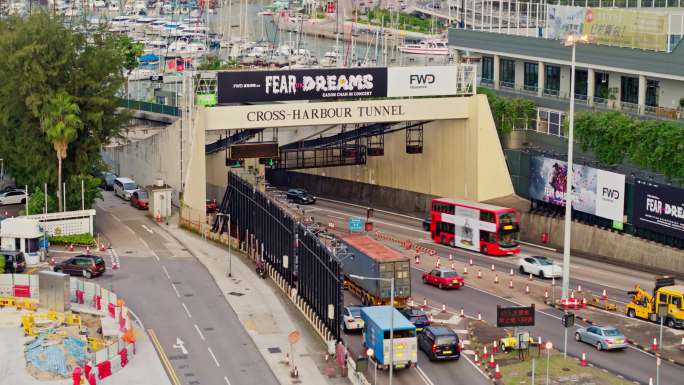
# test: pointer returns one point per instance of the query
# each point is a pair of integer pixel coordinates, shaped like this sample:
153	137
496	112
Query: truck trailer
376	335
363	256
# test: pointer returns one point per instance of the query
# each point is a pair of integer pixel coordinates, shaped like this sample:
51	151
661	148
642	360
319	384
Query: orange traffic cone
527	289
451	257
484	353
495	347
511	272
471	262
496	278
71	247
654	346
463	315
497	373
443	308
584	359
479	316
465	270
510	283
491	362
530	278
479	274
493	267
604	295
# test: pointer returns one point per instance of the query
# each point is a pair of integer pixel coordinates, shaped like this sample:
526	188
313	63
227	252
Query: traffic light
568	320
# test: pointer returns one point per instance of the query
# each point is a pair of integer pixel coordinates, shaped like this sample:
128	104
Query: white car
13	197
540	266
352	318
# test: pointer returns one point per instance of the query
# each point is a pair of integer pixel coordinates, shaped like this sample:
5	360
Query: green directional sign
269	162
235	163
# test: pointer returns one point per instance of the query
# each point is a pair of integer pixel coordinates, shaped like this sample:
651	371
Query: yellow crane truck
666	294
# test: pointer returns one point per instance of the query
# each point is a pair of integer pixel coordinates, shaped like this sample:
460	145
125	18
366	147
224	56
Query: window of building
550	121
581	78
531	76
487	69
629	89
507	73
601	90
552	81
652	90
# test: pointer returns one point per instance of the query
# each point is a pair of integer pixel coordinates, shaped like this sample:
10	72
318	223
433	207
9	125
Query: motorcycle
261	269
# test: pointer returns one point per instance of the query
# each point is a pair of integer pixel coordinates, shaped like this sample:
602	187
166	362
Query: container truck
363	256
376	335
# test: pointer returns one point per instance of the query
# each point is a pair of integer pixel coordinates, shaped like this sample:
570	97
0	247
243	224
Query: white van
124	187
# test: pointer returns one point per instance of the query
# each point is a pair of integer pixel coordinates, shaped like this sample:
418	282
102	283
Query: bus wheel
484	249
452	243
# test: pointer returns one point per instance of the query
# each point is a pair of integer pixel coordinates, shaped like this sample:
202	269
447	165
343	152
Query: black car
15	262
417	317
83	265
439	343
300	196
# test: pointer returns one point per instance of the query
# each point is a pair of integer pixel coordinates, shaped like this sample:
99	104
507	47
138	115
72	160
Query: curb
637	345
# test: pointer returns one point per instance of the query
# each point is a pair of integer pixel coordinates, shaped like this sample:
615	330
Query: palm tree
60	121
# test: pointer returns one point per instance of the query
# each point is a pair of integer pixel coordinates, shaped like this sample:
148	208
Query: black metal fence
294	253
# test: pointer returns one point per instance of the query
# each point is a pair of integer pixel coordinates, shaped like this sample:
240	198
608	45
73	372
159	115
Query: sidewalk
265	312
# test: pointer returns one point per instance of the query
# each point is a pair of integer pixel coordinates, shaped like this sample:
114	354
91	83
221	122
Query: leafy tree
60	121
509	113
41	58
36	203
131	51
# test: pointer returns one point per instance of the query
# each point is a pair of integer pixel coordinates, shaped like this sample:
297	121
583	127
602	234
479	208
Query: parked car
15	261
300	196
211	206
140	199
443	278
107	180
124	187
541	266
417	317
602	337
13	197
439	343
83	265
426	224
351	319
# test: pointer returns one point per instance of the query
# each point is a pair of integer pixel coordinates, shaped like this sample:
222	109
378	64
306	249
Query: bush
509	112
2	265
77	239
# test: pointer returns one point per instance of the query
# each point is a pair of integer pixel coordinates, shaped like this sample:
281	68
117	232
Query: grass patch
561	371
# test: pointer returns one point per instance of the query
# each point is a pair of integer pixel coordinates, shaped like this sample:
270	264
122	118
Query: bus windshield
508	230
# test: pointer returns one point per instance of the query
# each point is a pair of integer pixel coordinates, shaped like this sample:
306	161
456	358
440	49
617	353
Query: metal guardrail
149	107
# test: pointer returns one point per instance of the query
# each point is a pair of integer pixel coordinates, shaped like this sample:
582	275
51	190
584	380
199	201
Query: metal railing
140	105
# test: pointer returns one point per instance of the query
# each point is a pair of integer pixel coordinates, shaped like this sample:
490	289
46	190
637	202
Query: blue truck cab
376	335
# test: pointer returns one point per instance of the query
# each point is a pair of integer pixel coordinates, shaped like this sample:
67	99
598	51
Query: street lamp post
229	270
571	41
391	281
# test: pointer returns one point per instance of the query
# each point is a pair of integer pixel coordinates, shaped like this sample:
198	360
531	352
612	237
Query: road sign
293	337
355	224
180	345
514	316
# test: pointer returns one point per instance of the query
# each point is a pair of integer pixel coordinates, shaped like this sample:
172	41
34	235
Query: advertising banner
626	28
422	81
563	19
659	208
278	85
595	192
466	227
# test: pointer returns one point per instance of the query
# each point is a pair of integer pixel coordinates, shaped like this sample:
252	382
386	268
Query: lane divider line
164	359
200	334
214	357
166	272
176	290
226	380
186	310
424	376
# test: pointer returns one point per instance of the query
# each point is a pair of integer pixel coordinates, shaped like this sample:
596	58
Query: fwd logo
424	79
610	193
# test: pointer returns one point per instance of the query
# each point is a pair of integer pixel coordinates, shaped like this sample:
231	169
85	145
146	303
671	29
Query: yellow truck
666	295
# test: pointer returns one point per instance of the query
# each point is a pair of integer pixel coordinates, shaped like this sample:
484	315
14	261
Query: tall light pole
391	281
570	41
229	269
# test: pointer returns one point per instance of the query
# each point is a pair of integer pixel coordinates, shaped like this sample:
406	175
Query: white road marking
130	229
176	290
180	345
424	376
154	255
199	331
214	357
166	272
147	229
117	218
226	380
187	311
143	242
336	217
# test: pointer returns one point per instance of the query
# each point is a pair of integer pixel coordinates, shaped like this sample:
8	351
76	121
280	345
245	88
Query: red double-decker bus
475	226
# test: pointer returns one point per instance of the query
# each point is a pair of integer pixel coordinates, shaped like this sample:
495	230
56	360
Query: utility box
54	291
160	199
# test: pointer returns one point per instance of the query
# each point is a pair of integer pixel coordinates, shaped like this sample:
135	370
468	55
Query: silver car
602	337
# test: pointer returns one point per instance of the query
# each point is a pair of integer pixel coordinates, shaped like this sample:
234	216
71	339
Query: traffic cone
453	266
52	261
604	295
579	288
465	270
451	257
491	361
497	373
476	360
479	316
650	381
572	295
584	303
510	283
484	353
584	359
424	303
527	289
553	281
493	267
438	262
546	295
463	315
443	308
471	262
511	272
496	279
479	274
417	259
530	278
102	246
87	249
495	347
71	247
654	346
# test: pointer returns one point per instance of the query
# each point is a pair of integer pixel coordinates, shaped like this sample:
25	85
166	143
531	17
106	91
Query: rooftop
373	248
381	317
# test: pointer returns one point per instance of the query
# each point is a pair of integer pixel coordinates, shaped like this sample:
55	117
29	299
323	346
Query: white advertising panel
610	195
466	227
422	81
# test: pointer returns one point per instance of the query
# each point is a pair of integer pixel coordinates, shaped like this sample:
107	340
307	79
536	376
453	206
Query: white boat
426	47
330	59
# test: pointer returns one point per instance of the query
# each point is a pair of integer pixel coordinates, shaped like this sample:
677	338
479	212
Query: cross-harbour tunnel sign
334	112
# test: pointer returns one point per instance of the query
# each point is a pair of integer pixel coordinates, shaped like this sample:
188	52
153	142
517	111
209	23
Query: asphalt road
174	295
632	364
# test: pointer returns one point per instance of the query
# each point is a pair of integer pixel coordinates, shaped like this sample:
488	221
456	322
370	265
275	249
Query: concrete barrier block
101	355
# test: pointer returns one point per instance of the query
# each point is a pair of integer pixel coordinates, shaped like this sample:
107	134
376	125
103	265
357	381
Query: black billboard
307	84
659	208
514	316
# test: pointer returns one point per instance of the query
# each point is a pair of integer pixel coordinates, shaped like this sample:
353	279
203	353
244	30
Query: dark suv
417	317
15	262
87	266
300	196
439	343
